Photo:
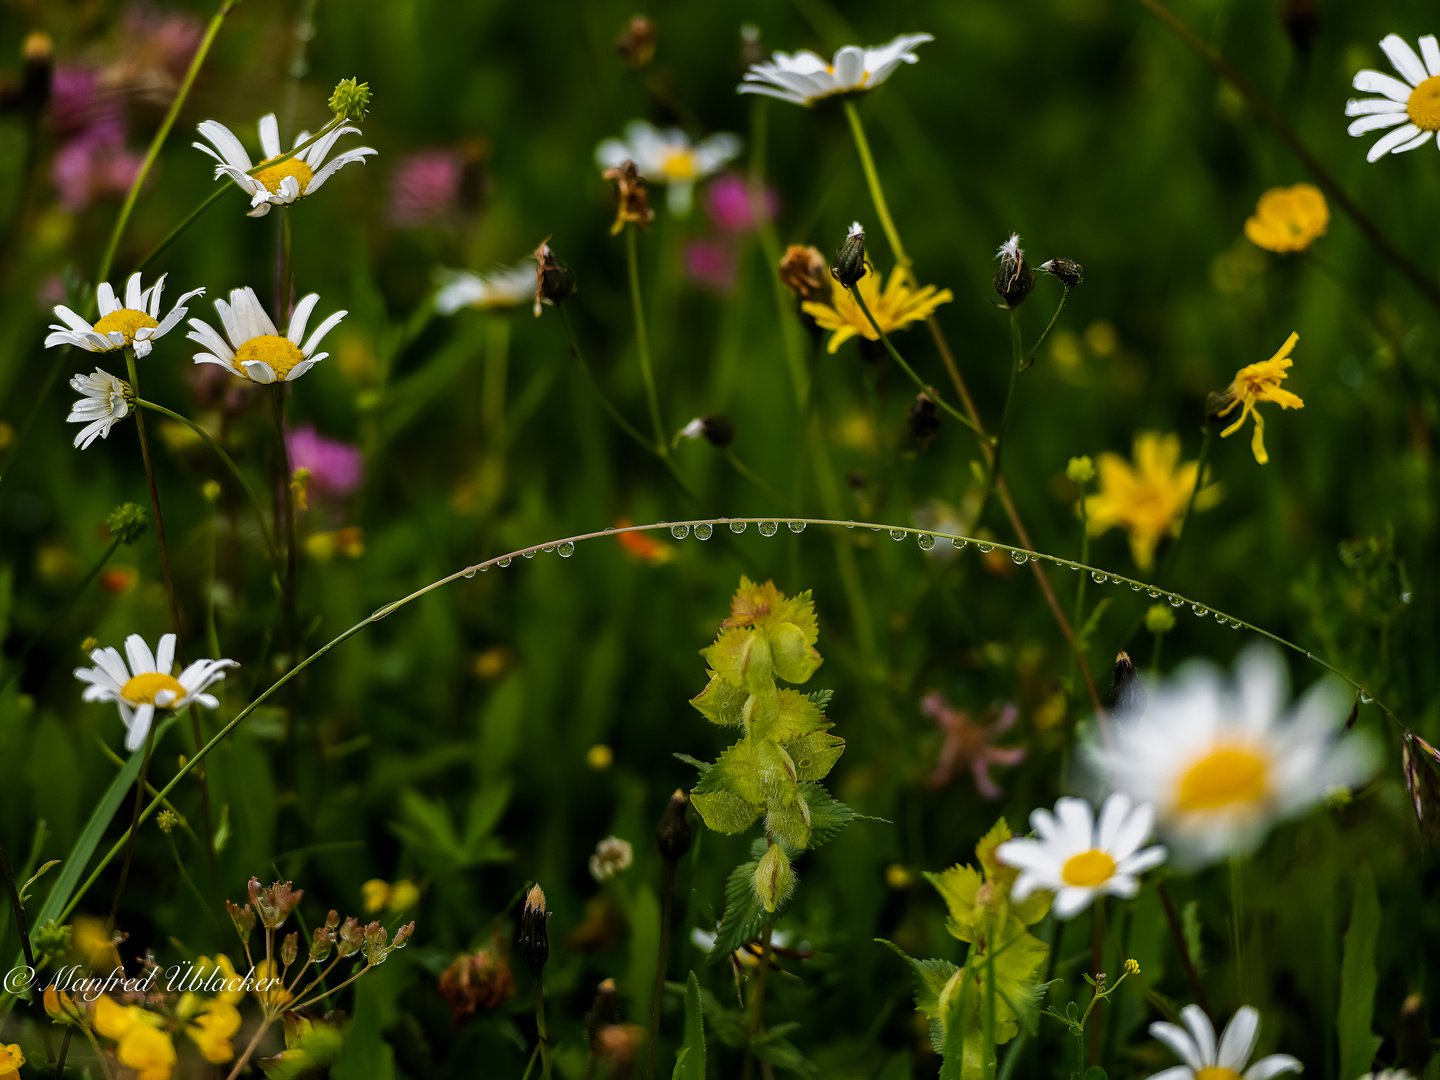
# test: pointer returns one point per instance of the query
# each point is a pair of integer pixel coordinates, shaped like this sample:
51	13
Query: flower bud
321	944
332	920
636	43
1302	23
752	48
534	931
612	856
351	99
352	937
61	1007
1412	1036
923	417
774	877
633	197
1218	402
1067	270
802	271
603	1013
1080	469
673	834
1159	619
37	73
242	917
1128	696
1014	280
848	266
554	283
290	948
167	820
128	522
275	902
716	430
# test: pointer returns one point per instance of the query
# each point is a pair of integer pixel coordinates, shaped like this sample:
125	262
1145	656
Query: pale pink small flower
336	468
729	206
968	744
710	264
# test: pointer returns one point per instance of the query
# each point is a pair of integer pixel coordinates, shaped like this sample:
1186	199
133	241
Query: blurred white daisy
503	287
281	184
612	856
136	322
1195	1045
147	684
669	157
260	354
1222	761
1414	104
1078	860
803	78
105	401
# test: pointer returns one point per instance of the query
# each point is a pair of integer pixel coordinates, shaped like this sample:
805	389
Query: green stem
158	141
235	471
609	406
1237	921
642	343
877	195
987	1019
667	903
135	818
1017	356
770	247
538	990
154	498
895	355
1200	464
1084	558
18	906
1035	349
285	503
753	478
1178	933
179	230
492	408
284	288
757	1002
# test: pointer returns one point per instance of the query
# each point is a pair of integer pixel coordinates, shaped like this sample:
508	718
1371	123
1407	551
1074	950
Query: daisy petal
1179	1041
1201	1031
1430	50
1365	106
1238	1041
1375	121
1404	59
1273	1065
1389	141
269	136
142	660
1377	82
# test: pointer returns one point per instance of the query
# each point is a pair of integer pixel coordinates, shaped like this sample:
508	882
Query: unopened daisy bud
1159	619
604	1012
37	73
242	917
1067	270
752	48
128	522
1128	696
633	197
716	430
1302	21
534	931
1412	1036
351	937
673	834
321	943
1014	280
351	99
923	417
848	266
1132	967
774	877
167	820
636	43
554	283
290	948
802	271
1080	469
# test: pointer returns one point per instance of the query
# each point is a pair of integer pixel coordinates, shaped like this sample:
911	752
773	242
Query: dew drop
528	554
609	528
926	541
1099	578
1175	601
1135	586
769	528
548	548
958	544
1218	617
797	526
737	526
470	573
1019	558
1198	609
506	561
1234	624
850	524
1153	592
679	532
1365	698
566	549
485	568
985	549
702	532
897	534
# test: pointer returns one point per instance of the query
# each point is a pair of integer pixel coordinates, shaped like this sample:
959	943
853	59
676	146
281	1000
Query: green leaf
703	766
1190	924
815	754
779	1051
827	814
729	1025
720	702
1095	1072
724	812
931	977
690	1061
795	658
25	889
741	658
958	886
744	916
1092	623
1357	979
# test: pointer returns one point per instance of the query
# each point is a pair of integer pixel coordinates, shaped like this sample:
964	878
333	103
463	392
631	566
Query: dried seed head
554	283
716	430
673	834
1067	270
352	937
321	943
848	266
243	917
612	856
479	981
1421	783
1128	696
1217	402
752	48
636	43
923	417
802	270
1412	1036
1014	280
274	903
603	1013
534	930
633	197
290	948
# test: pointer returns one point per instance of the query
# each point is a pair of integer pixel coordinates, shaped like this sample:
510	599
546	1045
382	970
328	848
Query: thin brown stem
667	890
175	624
254	1042
1178	933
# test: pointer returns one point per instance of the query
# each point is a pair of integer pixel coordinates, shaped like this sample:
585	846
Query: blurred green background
449	743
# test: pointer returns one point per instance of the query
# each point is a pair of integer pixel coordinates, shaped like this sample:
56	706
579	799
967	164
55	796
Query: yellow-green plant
984	1003
773	771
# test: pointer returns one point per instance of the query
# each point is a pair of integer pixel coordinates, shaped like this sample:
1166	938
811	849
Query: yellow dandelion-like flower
895	307
1147	498
1288	218
1257	383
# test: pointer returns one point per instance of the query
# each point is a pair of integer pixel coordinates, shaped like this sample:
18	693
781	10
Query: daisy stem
1268	113
285	504
642	343
135	818
542	1036
235	471
1051	324
877	194
1200	464
929	390
154	498
1178	933
161	134
283	286
1097	966
667	904
1237	919
189	220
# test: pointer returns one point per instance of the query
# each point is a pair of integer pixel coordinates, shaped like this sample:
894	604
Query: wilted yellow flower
213	1029
896	307
148	1051
1146	499
1288	218
1254	384
10	1061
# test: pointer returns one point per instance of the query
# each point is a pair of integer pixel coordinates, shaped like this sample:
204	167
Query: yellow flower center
1224	777
127	321
1215	1072
272	176
679	165
280	353
1089	868
141	689
1424	105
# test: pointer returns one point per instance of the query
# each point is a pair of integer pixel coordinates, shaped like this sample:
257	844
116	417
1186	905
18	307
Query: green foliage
311	1048
690	1059
1357	978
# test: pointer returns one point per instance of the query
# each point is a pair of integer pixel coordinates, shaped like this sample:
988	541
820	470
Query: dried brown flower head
633	195
804	271
637	41
475	982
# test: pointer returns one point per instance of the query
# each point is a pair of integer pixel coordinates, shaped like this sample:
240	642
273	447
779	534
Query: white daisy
803	78
503	287
260	354
1414	104
147	684
1222	761
1204	1060
281	184
105	402
669	157
1077	860
136	322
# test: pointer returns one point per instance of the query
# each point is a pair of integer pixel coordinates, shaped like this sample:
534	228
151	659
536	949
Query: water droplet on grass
737	526
926	541
769	528
897	534
1099	578
470	573
702	532
506	561
796	526
679	532
985	549
566	549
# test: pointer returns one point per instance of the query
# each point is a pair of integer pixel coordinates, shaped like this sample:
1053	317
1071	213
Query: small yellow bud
167	820
89	645
599	757
211	490
1159	619
1081	469
898	877
351	99
1132	967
